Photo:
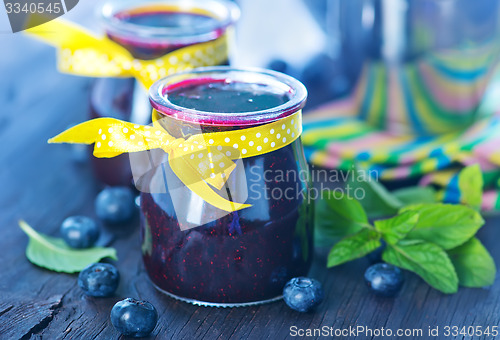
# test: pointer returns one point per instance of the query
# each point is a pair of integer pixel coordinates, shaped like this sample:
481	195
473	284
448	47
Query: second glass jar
149	30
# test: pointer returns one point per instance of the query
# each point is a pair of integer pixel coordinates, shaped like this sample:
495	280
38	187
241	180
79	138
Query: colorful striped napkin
335	139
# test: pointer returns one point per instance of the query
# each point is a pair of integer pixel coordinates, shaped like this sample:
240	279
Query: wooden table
43	185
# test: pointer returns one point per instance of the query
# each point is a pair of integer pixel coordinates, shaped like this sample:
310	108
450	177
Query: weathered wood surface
21	317
43	185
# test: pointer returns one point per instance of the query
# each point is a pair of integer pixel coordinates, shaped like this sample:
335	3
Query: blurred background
289	35
324	43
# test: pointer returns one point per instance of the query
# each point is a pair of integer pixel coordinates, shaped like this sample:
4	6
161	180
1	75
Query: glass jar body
244	257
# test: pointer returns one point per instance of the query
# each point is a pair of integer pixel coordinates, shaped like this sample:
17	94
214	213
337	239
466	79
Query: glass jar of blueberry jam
246	256
149	30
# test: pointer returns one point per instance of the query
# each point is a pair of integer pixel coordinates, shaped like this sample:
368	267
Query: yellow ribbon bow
200	160
82	53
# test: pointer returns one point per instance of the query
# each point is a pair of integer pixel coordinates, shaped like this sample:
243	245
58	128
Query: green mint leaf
377	200
474	265
395	229
415	195
470	183
425	259
446	225
353	247
337	216
53	253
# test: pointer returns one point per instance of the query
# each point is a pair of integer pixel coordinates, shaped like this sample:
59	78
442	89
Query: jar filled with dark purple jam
198	253
150	30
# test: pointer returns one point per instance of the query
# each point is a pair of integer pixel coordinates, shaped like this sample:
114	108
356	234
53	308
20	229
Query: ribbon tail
88	133
192	180
84	133
82	53
60	32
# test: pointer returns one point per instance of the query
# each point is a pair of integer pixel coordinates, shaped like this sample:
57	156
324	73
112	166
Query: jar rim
225	12
297	91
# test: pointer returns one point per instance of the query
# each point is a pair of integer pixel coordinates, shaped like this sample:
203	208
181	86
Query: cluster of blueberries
136	318
305	294
130	317
112	205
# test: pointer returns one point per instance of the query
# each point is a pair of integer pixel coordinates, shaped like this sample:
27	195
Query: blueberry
99	279
79	231
384	279
303	294
115	205
134	318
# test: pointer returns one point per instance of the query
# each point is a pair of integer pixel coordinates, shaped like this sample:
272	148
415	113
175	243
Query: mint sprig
435	241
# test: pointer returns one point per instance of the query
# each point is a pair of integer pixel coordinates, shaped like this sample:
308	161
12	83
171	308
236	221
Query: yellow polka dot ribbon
201	161
82	53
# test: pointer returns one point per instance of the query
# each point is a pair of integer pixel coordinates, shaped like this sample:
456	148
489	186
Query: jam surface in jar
245	256
160	17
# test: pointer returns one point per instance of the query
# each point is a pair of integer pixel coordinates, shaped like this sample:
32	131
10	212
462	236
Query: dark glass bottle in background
419	67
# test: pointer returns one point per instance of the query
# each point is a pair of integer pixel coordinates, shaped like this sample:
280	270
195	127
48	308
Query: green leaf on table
353	247
377	200
337	216
53	253
470	183
474	265
395	229
425	259
415	195
446	225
